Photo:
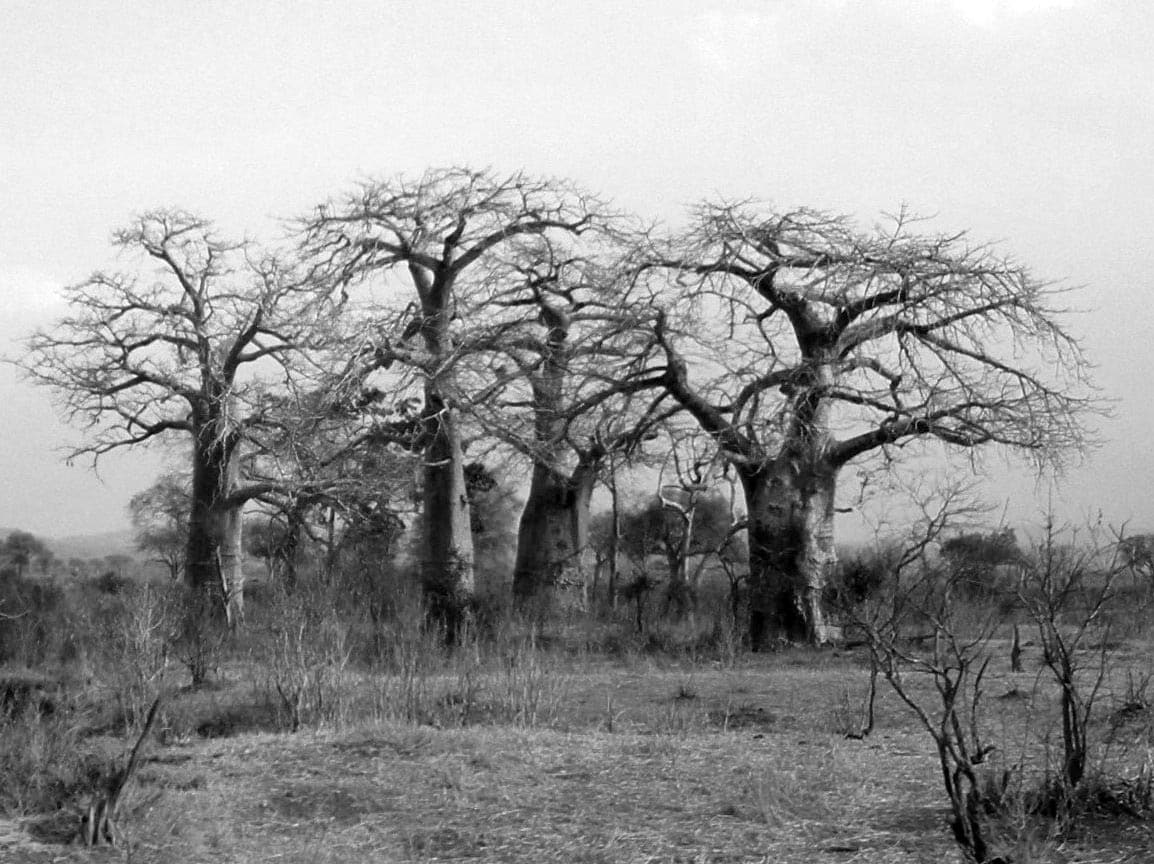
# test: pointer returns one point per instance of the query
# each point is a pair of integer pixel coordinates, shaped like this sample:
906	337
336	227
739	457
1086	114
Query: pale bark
681	593
447	540
232	563
614	535
468	241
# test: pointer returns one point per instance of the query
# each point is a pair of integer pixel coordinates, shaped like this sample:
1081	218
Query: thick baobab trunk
553	535
791	550
215	555
447	539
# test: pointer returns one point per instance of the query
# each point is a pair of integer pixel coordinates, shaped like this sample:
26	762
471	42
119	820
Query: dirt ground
642	762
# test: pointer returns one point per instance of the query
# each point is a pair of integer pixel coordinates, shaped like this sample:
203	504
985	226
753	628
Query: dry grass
640	761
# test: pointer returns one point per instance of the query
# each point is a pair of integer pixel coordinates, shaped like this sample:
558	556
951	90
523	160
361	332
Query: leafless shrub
306	657
855	718
134	650
952	654
200	638
1069	588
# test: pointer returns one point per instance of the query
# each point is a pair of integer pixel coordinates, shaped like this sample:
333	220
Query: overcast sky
1026	122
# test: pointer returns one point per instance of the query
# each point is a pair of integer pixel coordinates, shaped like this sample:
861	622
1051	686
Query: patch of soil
237	721
307	804
57	829
445	843
27	842
744	717
913	820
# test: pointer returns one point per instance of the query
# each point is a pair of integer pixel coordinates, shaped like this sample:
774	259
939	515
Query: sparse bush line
1065	592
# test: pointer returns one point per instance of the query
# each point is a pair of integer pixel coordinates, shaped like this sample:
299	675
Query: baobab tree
190	351
436	250
582	392
800	343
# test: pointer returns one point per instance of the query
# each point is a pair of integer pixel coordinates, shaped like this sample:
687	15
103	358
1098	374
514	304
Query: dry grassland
637	761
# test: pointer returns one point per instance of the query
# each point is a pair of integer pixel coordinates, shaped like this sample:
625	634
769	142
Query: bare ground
641	764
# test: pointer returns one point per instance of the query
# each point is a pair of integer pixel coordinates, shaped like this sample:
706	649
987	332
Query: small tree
679	527
23	550
160	515
975	559
1137	552
267	539
955	667
1070	588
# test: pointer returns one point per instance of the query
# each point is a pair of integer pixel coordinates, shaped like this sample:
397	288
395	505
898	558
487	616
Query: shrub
861	576
132	655
306	651
41	760
36	622
111	582
978	562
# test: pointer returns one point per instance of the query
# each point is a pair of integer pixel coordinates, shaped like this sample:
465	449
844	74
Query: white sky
1029	122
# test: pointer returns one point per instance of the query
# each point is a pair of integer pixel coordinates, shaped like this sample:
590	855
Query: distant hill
93	545
85	545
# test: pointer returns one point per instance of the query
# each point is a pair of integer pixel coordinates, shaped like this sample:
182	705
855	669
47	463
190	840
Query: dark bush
111	582
36	620
979	563
860	576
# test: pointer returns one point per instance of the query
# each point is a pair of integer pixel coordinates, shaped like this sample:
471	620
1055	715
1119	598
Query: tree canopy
800	343
445	317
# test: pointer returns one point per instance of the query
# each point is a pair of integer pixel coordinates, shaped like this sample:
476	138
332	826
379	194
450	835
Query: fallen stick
98	824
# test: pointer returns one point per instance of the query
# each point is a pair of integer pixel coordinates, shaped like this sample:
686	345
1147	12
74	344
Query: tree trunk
285	552
215	552
680	595
232	563
791	551
614	534
553	535
447	539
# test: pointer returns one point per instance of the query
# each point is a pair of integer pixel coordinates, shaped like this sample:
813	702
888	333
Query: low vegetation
329	728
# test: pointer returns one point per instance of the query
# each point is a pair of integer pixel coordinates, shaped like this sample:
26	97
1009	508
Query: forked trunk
553	535
447	539
791	550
